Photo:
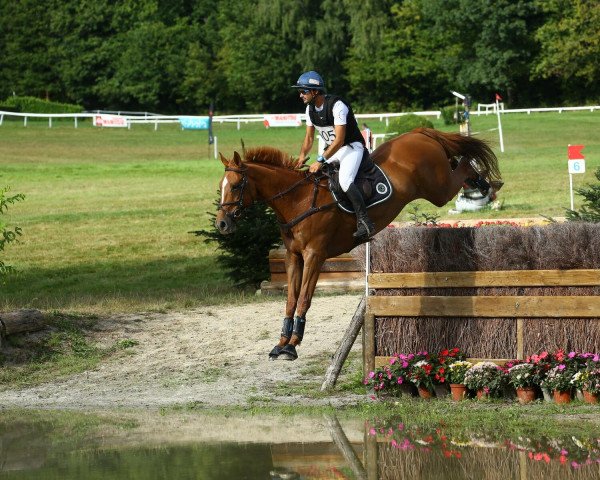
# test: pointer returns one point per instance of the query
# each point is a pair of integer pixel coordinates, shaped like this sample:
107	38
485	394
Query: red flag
498	97
574	152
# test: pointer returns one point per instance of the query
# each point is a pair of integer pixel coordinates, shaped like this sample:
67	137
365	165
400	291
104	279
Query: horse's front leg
293	268
310	275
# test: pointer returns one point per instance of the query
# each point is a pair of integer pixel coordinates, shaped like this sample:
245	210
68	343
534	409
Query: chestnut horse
424	163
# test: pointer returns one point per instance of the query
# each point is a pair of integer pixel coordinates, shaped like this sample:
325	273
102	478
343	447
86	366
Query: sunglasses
304	91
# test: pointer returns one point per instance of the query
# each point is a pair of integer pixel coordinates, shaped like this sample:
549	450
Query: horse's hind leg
446	180
293	267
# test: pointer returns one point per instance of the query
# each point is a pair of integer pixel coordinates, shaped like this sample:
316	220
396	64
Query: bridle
237	212
239	203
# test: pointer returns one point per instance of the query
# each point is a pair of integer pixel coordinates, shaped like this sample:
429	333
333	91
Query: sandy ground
210	357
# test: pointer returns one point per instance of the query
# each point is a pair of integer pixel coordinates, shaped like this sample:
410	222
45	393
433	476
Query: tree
9	235
570	47
590	211
488	44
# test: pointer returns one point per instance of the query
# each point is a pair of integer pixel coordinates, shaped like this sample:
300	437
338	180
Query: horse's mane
270	156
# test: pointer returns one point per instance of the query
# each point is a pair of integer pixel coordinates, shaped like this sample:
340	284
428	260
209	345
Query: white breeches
349	158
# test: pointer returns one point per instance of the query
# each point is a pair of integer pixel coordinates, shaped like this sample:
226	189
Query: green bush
406	123
37	105
590	211
7	235
245	253
449	114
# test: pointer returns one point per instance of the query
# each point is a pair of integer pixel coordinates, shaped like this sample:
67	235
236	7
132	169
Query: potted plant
456	377
400	366
558	380
522	377
440	362
542	363
486	378
421	375
591	386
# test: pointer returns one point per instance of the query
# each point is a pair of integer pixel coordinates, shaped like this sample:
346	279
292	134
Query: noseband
239	203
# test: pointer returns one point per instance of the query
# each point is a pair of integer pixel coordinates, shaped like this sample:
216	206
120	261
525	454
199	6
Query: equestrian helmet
310	80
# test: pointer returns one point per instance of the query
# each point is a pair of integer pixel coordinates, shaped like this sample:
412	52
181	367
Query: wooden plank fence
454	307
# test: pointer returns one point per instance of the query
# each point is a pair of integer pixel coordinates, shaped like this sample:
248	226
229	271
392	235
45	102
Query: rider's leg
350	158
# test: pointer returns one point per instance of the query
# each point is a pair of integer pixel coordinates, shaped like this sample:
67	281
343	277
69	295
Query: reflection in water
63	446
417	453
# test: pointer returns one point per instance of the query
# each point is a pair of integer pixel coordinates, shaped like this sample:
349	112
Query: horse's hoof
274	354
288	353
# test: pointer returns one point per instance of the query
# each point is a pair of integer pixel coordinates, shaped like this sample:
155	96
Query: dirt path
211	357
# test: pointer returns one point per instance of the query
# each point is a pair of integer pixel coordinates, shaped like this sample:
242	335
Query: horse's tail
455	145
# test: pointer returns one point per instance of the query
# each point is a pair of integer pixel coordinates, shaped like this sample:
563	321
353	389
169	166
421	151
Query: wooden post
347	341
520	345
369	342
343	444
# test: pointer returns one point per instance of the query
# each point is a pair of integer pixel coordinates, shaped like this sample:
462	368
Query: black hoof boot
288	353
480	184
274	354
286	332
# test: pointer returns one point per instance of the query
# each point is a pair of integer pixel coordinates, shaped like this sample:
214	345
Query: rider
337	126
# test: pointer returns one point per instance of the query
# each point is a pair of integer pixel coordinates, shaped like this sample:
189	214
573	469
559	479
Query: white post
75	122
571	190
238	123
215	144
49	122
500	127
24	121
367	266
1	118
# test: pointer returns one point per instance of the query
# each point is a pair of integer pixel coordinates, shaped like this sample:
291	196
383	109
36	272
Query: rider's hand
315	167
301	162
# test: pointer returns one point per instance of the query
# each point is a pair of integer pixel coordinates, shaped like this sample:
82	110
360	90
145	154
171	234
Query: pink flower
561	367
371	374
572	354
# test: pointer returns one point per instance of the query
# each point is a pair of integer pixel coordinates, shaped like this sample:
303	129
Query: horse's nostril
222	225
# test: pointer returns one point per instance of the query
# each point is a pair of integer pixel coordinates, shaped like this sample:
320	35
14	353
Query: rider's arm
309	139
340	134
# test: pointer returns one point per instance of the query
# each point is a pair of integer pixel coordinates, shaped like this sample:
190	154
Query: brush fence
512	308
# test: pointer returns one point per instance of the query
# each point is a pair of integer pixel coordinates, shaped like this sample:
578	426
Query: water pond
147	445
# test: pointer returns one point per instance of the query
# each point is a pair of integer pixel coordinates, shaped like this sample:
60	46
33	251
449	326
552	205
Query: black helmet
310	80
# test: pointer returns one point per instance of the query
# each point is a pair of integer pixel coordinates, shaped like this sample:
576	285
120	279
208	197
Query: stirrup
365	230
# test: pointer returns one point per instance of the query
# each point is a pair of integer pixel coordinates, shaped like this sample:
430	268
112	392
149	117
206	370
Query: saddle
370	180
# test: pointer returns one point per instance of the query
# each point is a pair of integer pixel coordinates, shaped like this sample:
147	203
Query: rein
286	226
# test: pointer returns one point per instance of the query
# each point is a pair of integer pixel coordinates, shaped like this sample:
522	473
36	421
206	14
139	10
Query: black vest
324	118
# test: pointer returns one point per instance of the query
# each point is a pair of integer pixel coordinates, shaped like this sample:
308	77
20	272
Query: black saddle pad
370	180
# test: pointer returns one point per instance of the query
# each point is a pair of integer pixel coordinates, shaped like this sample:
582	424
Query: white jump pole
499	126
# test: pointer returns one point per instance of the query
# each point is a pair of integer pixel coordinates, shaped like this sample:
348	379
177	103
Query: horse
424	163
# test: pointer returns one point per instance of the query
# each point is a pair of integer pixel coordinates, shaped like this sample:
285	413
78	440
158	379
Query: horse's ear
237	160
224	161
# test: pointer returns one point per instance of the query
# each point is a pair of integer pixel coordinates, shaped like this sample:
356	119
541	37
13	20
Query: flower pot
424	392
590	397
441	390
562	397
458	391
482	394
407	389
525	394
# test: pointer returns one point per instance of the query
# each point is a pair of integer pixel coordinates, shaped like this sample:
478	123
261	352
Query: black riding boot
365	227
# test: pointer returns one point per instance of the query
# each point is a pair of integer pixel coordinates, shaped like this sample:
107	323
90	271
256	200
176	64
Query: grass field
108	211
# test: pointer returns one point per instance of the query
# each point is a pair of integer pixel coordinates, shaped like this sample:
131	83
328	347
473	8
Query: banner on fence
105	120
283	120
194	123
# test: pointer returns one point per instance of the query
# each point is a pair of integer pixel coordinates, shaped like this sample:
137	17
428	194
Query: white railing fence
132	118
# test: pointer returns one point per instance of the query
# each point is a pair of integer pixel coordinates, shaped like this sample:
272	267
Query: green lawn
108	211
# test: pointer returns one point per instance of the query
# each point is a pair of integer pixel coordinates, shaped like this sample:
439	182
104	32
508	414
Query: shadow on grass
176	282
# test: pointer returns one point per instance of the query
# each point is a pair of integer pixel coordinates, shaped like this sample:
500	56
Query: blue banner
194	123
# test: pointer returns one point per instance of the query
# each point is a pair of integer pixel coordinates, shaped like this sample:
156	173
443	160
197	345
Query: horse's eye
237	186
